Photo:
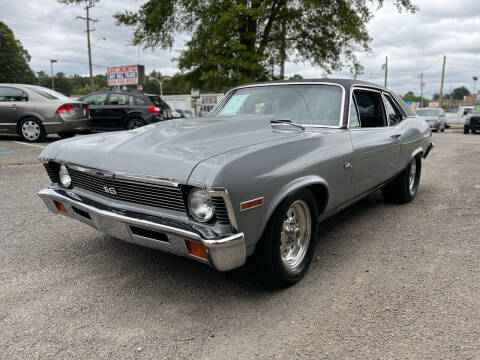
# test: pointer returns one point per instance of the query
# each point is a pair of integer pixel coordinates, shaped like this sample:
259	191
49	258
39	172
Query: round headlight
200	205
65	178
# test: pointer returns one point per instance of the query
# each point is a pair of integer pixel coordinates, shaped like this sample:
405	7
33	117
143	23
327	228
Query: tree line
458	93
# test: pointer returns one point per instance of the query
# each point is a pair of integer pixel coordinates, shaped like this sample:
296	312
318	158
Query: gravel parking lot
388	281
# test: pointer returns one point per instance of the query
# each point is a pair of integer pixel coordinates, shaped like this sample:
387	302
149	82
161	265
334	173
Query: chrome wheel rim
413	173
134	124
31	130
295	236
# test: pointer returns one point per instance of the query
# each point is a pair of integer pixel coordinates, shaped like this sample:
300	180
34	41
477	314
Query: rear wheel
404	187
66	134
286	248
31	130
134	124
466	130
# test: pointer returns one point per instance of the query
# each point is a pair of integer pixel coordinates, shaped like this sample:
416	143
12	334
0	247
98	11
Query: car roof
346	83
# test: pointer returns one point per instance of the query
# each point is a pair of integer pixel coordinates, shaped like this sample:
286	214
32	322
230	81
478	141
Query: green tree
235	42
460	92
14	59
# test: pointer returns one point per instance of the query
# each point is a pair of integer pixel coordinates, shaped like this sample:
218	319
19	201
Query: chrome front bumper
224	254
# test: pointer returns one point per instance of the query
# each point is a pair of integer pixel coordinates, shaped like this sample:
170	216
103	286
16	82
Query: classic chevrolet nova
254	178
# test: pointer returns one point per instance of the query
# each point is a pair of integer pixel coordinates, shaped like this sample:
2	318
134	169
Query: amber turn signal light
196	249
60	206
251	204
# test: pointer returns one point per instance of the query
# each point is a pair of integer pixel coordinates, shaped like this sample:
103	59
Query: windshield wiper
287	122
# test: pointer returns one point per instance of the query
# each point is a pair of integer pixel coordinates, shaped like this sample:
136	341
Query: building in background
199	105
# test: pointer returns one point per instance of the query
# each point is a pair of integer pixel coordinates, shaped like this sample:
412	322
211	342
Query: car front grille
220	210
135	192
52	171
475	121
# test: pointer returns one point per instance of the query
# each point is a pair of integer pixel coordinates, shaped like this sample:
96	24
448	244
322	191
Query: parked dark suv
125	109
472	122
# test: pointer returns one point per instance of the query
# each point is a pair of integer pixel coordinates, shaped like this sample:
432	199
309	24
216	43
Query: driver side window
370	108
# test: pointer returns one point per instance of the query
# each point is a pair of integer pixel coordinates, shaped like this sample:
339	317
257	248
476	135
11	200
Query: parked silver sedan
34	111
435	117
254	178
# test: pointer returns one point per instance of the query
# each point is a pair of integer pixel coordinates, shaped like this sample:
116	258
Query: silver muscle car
254	178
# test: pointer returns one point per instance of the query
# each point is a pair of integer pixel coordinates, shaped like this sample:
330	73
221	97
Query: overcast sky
414	43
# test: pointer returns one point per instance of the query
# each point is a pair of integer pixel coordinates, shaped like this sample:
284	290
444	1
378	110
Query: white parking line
24	143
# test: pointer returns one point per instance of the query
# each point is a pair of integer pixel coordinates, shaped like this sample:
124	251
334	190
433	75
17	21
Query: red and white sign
123	75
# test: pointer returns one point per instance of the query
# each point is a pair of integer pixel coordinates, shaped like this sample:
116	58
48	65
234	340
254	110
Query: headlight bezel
63	174
193	209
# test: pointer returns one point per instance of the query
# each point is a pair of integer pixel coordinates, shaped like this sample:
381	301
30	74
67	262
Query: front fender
289	189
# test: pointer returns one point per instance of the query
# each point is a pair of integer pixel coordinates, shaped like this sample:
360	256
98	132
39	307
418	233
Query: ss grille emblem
109	190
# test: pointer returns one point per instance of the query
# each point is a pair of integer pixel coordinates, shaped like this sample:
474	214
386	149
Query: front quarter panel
275	170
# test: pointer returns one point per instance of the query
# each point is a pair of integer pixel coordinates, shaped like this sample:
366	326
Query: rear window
49	93
158	101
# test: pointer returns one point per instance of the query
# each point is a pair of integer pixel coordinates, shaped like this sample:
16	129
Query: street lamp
160	83
51	69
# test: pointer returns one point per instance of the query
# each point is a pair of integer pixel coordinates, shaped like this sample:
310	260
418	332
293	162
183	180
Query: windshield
302	104
49	93
428	112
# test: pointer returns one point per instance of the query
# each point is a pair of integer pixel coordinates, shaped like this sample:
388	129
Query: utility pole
443	79
422	85
88	5
283	52
386	70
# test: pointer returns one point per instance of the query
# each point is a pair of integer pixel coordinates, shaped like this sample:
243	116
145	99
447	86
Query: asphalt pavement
388	281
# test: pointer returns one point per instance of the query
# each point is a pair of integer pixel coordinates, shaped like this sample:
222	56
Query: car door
376	144
96	104
13	103
116	110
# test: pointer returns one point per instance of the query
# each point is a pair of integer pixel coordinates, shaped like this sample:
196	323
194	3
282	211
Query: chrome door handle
13	106
396	136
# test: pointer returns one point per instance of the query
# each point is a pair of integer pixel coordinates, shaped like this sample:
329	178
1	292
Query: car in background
472	122
125	109
34	111
176	114
185	113
435	117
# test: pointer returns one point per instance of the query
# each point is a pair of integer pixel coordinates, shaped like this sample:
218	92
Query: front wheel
404	187
286	248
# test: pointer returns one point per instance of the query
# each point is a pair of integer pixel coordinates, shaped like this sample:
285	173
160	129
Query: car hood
169	149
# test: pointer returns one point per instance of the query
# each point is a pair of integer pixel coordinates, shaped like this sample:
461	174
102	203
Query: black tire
443	129
66	134
466	130
474	131
268	259
398	190
134	124
31	130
